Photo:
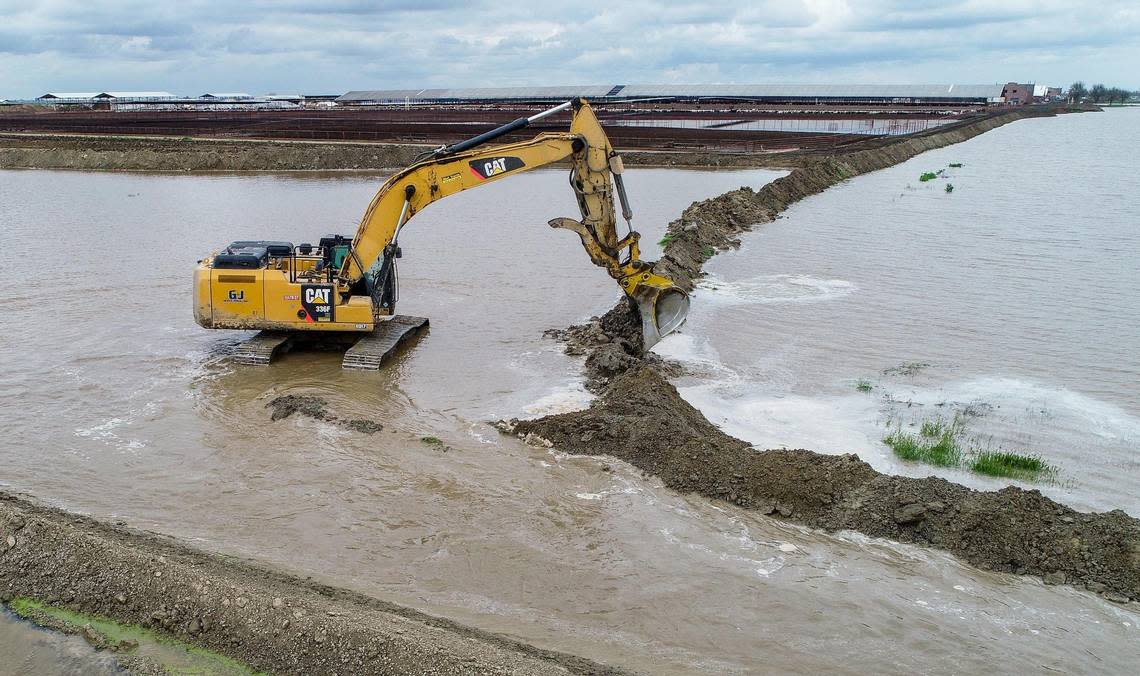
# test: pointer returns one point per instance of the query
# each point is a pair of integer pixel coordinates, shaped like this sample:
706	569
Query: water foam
773	289
565	399
1017	396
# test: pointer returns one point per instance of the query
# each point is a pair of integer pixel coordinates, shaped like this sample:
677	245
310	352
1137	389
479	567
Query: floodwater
1015	299
119	406
27	649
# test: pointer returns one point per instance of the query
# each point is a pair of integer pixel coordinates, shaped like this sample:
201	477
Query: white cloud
335	45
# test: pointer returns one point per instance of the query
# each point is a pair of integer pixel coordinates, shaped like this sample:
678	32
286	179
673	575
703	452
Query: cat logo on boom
495	166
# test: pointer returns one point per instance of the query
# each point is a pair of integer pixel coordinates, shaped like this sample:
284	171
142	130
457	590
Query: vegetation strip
139	650
641	419
939	443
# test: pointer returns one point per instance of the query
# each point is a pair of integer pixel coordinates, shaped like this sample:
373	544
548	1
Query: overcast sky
310	46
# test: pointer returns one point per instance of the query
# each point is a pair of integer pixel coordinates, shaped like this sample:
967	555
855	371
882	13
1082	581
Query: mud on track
268	620
640	418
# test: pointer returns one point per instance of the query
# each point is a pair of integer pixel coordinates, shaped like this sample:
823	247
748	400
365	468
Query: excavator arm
469	164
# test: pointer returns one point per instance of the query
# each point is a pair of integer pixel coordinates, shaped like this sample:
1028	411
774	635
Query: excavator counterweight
349	286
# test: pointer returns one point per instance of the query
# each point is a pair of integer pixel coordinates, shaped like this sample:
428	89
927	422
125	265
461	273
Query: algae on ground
175	656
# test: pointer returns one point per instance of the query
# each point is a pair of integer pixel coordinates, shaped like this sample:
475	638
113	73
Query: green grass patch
667	239
174	655
949	187
933	428
905	445
945	452
708	252
927	176
863	385
1011	465
432	441
940	447
955	165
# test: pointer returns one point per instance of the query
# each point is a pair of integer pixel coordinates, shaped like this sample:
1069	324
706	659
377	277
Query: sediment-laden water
1010	304
119	406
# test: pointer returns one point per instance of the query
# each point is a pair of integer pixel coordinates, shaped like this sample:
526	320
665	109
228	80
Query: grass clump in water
935	444
933	428
945	452
667	239
949	187
955	165
863	385
927	176
1011	465
432	441
905	445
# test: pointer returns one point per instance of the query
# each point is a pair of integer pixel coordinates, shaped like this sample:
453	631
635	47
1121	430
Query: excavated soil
269	620
640	418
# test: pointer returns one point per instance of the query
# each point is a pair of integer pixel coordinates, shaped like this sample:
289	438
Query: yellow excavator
347	289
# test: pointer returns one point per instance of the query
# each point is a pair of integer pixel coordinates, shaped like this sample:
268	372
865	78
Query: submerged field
441	513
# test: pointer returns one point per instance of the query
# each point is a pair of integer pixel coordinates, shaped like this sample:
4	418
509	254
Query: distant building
1046	94
1016	94
892	95
68	96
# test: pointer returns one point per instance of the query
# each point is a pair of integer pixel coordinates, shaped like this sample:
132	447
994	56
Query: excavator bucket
663	308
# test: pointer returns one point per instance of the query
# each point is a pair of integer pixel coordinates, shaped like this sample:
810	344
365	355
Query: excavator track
370	351
262	348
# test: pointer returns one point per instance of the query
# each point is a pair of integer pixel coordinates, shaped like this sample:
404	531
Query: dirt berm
641	419
269	620
125	153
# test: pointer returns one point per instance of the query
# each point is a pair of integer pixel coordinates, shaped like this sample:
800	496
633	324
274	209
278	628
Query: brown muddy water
117	405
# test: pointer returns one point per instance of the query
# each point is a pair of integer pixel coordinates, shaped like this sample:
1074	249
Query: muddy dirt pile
318	409
640	418
157	154
268	620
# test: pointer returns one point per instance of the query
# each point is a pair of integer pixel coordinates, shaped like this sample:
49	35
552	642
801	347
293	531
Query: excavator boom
596	168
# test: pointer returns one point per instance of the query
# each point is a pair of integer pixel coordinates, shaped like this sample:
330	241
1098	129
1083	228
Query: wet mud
268	620
641	419
317	408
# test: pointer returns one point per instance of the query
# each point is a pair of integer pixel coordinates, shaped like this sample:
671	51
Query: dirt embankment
143	153
268	620
640	418
121	153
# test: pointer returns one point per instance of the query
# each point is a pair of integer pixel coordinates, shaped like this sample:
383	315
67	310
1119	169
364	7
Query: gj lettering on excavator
347	288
